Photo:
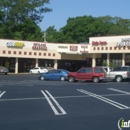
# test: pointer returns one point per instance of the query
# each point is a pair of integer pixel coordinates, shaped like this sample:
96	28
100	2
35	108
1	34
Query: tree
18	10
19	18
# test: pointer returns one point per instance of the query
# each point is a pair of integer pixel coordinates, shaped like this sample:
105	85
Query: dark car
94	74
3	70
55	74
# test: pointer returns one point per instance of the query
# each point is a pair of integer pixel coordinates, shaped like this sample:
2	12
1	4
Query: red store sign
99	43
73	48
39	46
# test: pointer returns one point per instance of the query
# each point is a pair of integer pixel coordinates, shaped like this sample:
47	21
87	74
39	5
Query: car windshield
66	71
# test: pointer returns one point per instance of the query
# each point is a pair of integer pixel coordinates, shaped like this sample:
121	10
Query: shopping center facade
20	56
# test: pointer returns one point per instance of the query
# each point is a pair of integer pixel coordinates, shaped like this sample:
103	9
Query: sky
64	9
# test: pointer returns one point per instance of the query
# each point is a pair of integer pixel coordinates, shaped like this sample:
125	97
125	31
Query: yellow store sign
15	44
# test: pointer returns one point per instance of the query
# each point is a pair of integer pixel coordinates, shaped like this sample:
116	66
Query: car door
49	74
88	74
35	70
57	74
80	74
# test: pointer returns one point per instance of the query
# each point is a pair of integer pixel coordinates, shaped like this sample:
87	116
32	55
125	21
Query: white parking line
117	90
2	93
51	104
116	104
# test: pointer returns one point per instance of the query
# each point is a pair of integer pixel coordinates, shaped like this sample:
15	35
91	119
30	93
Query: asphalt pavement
29	104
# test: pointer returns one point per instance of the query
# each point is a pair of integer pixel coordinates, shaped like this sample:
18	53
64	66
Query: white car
38	70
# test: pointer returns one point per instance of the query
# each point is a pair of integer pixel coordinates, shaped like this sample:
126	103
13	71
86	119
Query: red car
94	74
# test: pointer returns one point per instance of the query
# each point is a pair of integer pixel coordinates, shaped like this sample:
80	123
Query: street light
44	36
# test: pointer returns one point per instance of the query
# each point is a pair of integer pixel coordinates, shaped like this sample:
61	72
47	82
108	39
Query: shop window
39	54
49	54
102	48
30	53
4	52
114	48
124	48
94	48
110	48
20	52
44	54
35	53
53	54
9	52
98	48
14	52
25	53
119	48
129	48
106	48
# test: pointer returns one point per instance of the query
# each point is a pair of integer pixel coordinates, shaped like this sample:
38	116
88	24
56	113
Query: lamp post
44	36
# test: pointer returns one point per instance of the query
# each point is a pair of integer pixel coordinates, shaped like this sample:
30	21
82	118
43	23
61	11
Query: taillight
127	73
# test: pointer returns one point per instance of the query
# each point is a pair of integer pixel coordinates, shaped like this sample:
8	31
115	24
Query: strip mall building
20	56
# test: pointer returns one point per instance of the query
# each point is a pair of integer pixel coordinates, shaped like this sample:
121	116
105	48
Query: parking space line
51	104
117	90
116	104
2	93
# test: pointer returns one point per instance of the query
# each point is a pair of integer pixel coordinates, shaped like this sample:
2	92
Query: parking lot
29	104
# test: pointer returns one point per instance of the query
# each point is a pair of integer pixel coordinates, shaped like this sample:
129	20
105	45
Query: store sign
39	46
124	42
73	48
63	47
83	49
15	44
96	43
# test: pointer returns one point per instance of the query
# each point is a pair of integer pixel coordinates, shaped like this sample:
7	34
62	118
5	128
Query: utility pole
44	36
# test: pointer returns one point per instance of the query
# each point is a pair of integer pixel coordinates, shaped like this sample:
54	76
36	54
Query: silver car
4	70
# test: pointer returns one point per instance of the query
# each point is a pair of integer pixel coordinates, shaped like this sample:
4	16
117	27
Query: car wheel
118	78
95	79
42	78
71	79
6	73
62	78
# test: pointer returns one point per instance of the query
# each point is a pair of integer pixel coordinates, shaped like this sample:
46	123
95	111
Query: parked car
94	74
38	70
55	74
50	68
4	70
118	74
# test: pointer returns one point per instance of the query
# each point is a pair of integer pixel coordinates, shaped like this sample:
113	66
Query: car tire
118	78
62	78
6	73
42	78
95	79
71	79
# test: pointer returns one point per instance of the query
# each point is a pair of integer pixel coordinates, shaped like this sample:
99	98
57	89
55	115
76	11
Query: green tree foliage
79	29
19	18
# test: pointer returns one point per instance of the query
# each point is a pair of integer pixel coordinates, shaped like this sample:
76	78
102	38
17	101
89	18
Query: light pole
44	36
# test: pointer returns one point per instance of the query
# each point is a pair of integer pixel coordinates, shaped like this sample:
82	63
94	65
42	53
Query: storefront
113	49
21	56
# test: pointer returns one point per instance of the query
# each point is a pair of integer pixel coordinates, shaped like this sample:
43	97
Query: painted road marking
117	90
116	104
1	94
51	104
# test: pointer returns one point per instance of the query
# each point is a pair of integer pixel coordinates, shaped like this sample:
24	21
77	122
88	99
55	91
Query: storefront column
16	65
108	59
55	64
123	59
93	60
36	63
